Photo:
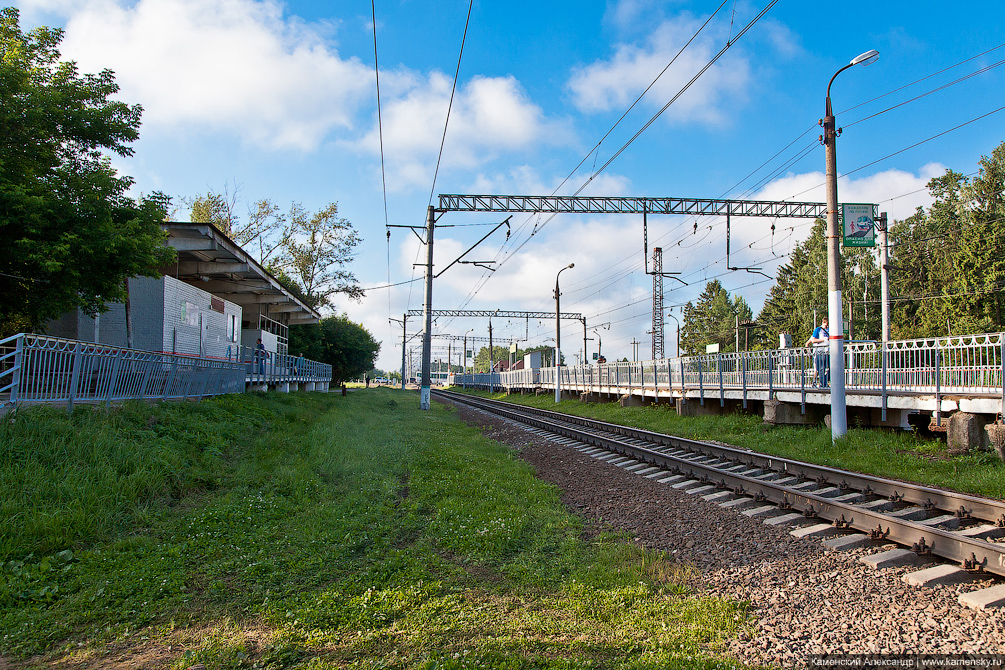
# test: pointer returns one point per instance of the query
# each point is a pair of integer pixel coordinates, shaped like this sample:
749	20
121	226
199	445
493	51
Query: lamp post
678	332
558	337
839	415
600	344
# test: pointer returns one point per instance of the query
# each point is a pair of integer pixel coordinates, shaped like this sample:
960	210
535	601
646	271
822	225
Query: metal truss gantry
583	204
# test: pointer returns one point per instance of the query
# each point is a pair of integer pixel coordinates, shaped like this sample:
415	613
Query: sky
278	100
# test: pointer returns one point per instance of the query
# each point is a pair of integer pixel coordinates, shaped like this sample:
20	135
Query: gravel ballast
804	599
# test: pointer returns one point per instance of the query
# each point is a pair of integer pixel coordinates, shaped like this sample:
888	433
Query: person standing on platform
820	339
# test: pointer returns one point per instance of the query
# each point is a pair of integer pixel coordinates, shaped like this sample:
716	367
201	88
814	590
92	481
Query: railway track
858	509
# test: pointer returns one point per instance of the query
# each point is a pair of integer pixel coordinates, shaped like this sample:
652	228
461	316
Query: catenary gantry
584	204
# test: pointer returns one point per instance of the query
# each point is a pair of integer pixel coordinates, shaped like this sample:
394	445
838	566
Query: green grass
900	455
319	531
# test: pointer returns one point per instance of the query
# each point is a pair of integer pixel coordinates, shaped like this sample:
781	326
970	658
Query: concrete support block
686	407
816	530
985	598
283	388
629	400
996	437
848	542
310	386
892	558
895	418
938	574
781	413
966	432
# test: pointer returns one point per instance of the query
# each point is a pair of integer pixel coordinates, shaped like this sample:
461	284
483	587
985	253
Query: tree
72	236
798	300
267	227
347	346
319	247
309	250
712	319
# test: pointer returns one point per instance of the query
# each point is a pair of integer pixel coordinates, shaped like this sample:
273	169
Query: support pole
427	308
884	274
839	415
404	340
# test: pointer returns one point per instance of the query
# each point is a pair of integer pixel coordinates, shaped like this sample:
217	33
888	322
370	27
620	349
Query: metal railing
42	369
271	369
964	365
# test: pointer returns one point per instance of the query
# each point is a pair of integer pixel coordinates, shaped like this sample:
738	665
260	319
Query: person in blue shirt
821	339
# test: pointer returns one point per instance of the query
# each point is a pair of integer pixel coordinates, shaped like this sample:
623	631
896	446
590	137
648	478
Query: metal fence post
743	377
701	384
116	365
883	364
771	379
74	377
938	386
722	392
16	371
802	382
683	395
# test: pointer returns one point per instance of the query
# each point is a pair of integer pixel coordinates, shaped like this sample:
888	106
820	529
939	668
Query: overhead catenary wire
638	133
380	135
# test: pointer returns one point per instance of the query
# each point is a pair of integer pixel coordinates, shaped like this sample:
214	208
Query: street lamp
558	337
839	415
678	332
600	344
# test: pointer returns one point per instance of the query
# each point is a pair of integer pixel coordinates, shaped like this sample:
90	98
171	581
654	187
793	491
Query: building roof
209	259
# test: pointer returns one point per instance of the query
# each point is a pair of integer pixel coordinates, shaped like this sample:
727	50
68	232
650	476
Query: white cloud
237	66
490	115
616	82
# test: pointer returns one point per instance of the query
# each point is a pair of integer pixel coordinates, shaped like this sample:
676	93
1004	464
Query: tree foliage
71	234
345	345
312	249
949	270
712	319
798	300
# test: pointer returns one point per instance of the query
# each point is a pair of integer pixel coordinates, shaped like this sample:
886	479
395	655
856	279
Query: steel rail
969	551
992	511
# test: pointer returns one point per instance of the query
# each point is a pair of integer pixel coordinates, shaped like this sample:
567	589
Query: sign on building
859	224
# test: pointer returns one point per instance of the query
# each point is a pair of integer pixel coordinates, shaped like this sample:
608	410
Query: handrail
959	364
42	369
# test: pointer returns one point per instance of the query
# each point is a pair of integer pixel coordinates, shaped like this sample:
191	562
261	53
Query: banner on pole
859	224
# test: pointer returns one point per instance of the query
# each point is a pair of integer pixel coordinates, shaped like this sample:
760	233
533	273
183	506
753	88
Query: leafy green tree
798	300
712	319
345	345
318	249
72	236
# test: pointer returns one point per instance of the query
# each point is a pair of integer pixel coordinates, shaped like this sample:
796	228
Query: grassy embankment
894	454
316	531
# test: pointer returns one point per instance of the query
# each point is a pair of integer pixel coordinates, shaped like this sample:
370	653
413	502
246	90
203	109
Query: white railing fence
969	364
42	369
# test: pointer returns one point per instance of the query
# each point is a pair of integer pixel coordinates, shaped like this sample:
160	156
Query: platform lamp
839	414
558	337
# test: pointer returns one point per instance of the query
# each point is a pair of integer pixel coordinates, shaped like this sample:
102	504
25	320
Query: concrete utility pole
558	336
884	274
839	413
404	340
427	307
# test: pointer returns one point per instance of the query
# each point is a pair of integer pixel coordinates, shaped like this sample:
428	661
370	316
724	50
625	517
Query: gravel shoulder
804	600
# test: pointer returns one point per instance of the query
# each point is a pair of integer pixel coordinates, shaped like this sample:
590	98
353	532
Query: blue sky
278	100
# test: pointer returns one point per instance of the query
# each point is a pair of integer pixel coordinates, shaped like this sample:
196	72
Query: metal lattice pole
657	303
